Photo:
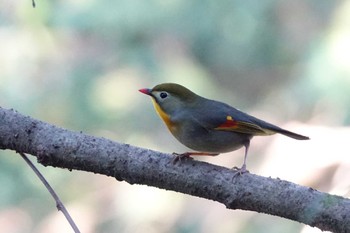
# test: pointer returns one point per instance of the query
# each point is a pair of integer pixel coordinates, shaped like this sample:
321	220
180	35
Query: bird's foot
240	171
180	157
187	155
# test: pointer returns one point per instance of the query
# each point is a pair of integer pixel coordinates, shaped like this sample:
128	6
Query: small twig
59	204
33	3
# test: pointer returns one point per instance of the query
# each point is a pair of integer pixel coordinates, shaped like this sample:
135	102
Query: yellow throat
165	117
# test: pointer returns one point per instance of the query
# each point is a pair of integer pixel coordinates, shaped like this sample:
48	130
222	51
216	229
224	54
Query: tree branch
62	148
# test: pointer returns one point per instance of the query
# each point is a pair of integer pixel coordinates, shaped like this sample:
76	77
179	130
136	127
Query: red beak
145	91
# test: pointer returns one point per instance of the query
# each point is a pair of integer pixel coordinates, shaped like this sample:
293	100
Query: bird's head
170	96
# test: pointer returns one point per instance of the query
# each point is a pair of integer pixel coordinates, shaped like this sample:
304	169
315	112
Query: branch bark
58	147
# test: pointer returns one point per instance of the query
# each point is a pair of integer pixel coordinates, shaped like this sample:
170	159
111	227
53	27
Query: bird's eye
163	95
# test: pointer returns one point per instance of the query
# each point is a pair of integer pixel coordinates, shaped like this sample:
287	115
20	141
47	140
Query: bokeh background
78	64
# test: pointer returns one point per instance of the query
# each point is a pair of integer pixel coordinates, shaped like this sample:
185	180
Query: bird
208	127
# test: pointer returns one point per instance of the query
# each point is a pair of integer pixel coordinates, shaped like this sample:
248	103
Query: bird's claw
179	157
240	170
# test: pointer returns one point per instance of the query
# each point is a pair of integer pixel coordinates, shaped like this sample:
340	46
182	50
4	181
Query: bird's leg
187	155
243	169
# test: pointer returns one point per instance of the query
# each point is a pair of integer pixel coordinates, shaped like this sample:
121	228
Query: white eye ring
163	95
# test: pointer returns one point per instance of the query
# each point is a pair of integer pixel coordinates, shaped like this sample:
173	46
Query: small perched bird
207	126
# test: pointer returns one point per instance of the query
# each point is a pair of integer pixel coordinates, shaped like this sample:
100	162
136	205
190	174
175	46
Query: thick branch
58	147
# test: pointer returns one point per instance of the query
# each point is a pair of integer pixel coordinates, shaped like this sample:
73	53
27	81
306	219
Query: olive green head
170	96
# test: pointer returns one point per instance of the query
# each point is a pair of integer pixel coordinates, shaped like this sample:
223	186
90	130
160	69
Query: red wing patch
243	127
229	123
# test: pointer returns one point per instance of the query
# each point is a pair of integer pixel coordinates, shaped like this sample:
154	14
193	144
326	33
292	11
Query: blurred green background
78	64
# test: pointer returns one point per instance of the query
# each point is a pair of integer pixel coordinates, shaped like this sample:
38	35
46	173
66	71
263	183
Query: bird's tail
271	129
291	134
